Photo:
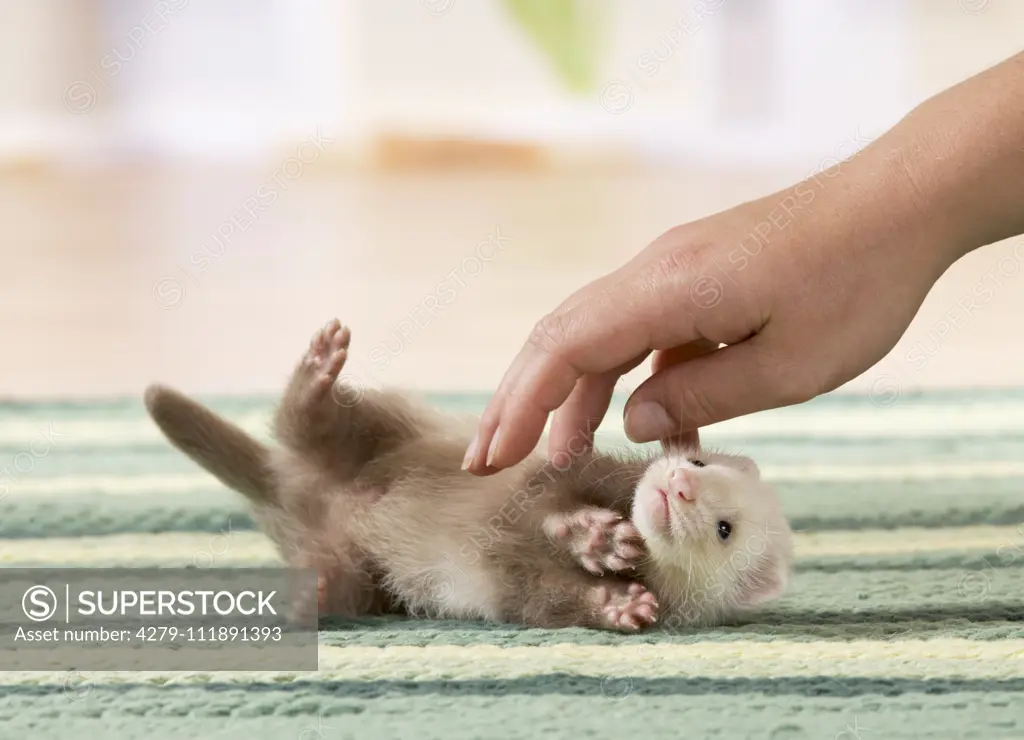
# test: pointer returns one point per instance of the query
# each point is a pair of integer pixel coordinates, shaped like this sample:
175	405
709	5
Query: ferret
366	487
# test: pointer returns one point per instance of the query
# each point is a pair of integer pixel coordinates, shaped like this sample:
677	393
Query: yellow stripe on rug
202	550
909	540
932	420
248	547
179	483
941	658
908	659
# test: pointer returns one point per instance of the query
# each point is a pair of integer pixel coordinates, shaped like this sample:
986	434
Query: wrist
880	207
956	162
910	161
907	196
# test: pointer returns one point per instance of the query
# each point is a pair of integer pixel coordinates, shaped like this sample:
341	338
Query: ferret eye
698	463
724	530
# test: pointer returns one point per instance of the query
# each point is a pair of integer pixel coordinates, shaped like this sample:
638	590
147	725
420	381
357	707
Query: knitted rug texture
905	618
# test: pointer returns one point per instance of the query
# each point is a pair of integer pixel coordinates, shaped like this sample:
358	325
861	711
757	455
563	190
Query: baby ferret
366	487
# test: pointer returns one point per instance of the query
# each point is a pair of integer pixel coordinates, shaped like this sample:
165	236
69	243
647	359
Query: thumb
664	359
729	382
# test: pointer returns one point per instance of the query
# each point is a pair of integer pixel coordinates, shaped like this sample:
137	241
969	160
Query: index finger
601	327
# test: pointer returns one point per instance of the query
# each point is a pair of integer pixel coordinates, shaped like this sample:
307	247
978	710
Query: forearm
947	179
957	161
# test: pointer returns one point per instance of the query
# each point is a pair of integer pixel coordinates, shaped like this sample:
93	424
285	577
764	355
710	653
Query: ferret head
715	531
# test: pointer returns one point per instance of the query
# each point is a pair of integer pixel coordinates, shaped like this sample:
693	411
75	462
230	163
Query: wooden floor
116	279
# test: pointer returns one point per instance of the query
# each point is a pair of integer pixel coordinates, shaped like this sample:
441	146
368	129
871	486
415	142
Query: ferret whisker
587	467
604	478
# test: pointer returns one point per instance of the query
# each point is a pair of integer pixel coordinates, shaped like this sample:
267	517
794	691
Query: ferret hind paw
627	607
323	361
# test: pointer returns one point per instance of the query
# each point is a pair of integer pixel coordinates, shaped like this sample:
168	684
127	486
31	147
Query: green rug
905	620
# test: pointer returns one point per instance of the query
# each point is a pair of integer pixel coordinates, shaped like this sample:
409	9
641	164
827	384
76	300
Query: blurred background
190	187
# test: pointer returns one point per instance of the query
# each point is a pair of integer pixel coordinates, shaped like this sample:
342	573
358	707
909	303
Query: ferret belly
434	547
435	577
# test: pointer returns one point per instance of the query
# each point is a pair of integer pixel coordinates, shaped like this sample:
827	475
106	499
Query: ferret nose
683	483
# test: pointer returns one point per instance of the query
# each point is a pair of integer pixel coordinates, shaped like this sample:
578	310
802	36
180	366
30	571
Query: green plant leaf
568	32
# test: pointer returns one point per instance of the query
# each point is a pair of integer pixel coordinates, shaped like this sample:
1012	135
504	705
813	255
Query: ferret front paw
599	539
627	606
328	350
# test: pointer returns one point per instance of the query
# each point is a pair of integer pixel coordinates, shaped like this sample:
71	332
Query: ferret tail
220	447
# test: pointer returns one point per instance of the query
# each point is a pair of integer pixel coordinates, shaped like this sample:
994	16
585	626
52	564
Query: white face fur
715	531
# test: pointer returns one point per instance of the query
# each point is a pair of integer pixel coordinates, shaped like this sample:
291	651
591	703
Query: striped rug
904	621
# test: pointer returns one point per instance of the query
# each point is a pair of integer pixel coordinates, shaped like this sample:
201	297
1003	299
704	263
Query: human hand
807	288
803	287
813	308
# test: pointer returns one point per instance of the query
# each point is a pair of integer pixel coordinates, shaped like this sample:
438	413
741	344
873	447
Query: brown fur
366	487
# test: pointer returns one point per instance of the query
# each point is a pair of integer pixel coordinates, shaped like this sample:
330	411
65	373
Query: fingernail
648	421
470	453
493	449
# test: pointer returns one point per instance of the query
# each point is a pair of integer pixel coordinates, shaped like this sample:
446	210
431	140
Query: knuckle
678	264
550	334
696	405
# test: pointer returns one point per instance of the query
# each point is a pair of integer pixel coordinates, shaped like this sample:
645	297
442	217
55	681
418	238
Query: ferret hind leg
566	597
345	587
335	420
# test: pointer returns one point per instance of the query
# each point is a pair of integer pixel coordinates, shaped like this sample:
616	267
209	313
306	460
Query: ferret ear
765	583
748	466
